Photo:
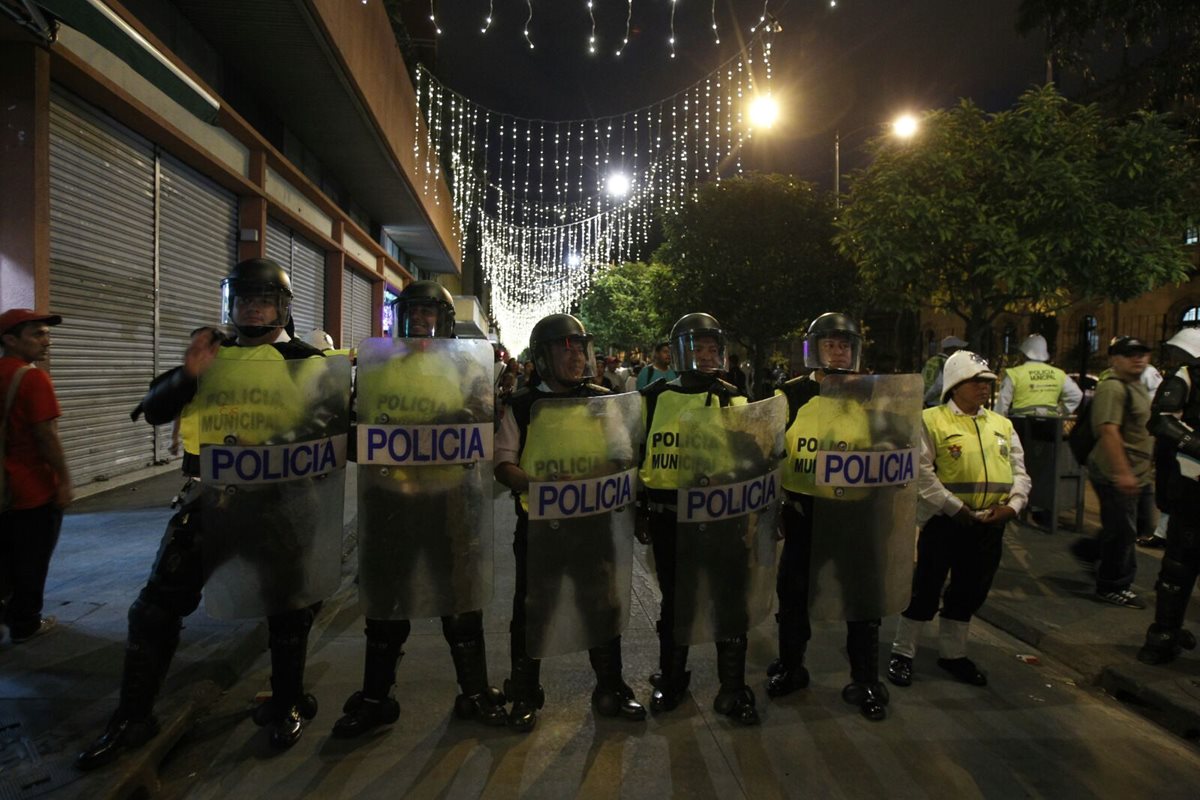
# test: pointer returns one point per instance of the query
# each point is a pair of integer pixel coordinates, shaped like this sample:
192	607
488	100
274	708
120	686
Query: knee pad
1176	577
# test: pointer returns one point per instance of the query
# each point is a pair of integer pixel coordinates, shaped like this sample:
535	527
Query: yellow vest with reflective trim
660	469
564	442
279	408
847	428
971	455
1036	388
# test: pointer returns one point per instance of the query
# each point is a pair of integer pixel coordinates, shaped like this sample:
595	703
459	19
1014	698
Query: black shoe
963	669
774	668
269	711
785	681
1164	645
119	736
522	716
286	729
900	670
362	714
1152	542
667	695
871	699
738	705
486	707
618	702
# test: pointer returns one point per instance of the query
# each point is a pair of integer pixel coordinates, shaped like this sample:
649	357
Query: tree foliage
621	309
756	252
1023	210
1158	42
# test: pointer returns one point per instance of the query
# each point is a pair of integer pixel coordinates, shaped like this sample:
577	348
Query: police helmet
257	278
688	351
833	325
961	367
555	335
427	294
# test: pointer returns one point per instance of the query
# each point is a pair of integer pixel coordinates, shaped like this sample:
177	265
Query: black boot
612	696
525	692
672	679
373	706
865	690
1166	638
788	673
478	700
736	699
289	707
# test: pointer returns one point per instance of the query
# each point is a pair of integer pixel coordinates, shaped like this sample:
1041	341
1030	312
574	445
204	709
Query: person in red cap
37	486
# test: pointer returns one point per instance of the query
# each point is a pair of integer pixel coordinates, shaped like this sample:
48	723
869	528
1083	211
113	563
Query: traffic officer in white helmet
1035	387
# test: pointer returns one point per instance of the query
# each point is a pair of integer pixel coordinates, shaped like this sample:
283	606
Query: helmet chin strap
255	331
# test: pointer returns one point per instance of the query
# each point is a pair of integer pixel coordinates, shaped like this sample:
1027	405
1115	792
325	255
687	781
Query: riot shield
425	428
727	517
865	504
272	470
579	548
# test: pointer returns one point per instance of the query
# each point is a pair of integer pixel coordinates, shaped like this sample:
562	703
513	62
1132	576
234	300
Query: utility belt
661	501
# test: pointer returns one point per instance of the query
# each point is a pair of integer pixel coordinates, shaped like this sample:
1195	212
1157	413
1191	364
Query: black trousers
27	541
969	554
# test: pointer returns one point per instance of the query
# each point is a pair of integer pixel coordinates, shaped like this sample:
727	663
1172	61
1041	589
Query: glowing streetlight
618	184
764	111
574	260
905	126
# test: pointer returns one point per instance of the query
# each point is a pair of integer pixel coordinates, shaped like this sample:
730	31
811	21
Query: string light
592	40
543	234
716	36
433	18
674	4
762	17
529	4
487	22
628	20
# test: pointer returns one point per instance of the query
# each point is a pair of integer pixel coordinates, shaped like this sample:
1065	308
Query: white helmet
1187	340
1034	348
963	366
319	339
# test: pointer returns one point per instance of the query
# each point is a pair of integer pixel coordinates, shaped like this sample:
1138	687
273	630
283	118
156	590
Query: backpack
1082	439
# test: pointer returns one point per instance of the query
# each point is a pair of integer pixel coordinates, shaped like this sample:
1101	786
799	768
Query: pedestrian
698	357
817	517
37	483
931	373
735	375
659	367
1035	388
544	427
1120	468
1174	420
277	525
972	482
424	529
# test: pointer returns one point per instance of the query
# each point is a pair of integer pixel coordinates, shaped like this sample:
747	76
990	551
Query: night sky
847	68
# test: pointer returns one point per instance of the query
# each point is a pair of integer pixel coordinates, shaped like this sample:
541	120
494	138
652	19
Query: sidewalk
57	691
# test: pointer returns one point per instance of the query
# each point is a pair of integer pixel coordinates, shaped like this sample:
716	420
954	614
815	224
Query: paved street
1038	730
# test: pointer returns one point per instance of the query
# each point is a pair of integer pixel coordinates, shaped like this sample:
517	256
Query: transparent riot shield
579	547
865	504
272	470
425	429
727	517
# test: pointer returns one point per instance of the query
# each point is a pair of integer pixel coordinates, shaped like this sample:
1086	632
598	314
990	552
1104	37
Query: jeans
1123	518
27	540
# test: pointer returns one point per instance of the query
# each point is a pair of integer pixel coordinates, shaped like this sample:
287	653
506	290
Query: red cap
16	316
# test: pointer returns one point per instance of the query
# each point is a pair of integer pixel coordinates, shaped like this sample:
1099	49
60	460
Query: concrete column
335	272
24	175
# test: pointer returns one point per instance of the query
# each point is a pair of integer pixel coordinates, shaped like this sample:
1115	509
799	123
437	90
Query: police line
424	445
226	465
550	500
727	500
854	468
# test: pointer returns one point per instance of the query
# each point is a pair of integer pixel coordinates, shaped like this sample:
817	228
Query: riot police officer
258	306
826	415
1174	420
698	356
536	444
417	521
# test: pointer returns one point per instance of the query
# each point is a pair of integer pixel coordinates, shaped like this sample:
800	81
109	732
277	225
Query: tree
1024	210
1158	42
756	252
620	309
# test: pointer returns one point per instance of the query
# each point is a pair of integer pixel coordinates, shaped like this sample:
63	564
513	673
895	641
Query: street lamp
904	126
764	111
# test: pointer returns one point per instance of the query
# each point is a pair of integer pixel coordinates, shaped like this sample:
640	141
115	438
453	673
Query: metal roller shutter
356	308
308	285
279	244
197	247
102	282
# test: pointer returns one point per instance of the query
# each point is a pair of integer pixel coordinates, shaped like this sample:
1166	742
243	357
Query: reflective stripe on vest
1036	388
971	455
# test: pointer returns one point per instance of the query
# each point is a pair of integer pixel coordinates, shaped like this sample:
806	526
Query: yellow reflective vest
1037	387
823	424
661	467
971	455
564	442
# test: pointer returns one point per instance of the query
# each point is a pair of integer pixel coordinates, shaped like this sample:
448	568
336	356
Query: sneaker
46	624
1122	597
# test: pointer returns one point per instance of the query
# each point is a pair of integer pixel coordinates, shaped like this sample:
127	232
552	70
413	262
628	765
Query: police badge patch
955	450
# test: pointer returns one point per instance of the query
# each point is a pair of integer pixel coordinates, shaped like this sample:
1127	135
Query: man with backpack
1119	467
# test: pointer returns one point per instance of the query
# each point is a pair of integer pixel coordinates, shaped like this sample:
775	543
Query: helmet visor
255	305
418	318
833	352
702	351
570	360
